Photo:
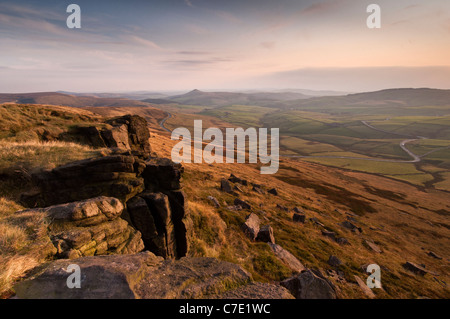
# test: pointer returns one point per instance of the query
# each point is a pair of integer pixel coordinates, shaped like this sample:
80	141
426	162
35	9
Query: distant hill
55	98
391	97
160	101
197	97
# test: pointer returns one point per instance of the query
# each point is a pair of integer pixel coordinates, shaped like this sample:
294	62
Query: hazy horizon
180	45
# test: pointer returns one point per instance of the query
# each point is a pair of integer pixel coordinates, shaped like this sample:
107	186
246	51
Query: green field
242	115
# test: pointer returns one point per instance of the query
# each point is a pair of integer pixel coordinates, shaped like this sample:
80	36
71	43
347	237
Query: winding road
163	121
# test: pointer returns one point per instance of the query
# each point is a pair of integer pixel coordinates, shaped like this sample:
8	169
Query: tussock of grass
36	154
22	239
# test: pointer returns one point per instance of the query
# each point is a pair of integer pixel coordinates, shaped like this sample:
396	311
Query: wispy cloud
193	52
143	42
188	3
29	12
30	25
323	7
196	63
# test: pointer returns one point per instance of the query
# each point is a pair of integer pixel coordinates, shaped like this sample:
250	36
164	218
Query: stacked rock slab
90	227
149	188
116	176
124	133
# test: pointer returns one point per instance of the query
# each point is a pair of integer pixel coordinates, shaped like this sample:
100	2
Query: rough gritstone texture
88	228
257	290
145	275
310	285
115	176
102	277
251	226
125	133
189	278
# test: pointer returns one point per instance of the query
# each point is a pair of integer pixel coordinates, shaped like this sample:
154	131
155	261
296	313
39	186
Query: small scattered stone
334	261
342	241
251	226
350	226
265	234
366	290
432	254
373	246
299	218
329	234
258	190
281	207
242	203
235	179
225	186
214	201
273	191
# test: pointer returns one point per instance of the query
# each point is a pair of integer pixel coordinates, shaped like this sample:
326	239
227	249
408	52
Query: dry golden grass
36	154
406	222
23	243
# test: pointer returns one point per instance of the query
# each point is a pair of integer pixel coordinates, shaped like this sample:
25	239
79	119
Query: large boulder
102	277
310	285
146	276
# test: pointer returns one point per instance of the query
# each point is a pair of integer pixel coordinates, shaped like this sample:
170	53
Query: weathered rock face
125	133
310	285
102	277
90	227
151	214
147	276
265	234
251	226
162	173
137	131
116	176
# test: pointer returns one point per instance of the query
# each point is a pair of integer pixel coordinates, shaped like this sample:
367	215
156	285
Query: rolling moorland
399	208
364	132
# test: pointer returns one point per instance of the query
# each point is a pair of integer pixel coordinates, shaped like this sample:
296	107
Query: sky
164	45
